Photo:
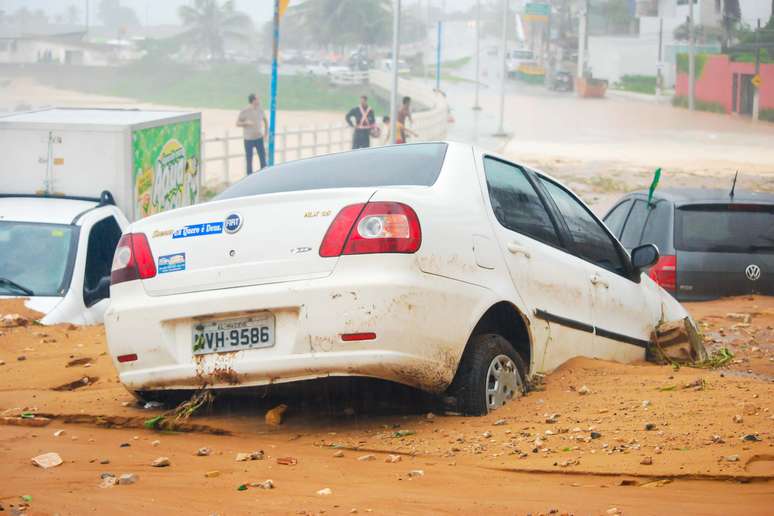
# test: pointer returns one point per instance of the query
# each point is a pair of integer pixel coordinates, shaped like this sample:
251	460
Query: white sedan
434	265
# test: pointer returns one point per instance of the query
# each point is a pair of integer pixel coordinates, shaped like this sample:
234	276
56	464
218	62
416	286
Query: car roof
684	196
49	210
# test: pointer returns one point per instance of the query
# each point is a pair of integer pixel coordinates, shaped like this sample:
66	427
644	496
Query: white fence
224	156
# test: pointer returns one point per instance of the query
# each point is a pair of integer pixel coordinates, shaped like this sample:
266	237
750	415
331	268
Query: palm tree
210	26
347	22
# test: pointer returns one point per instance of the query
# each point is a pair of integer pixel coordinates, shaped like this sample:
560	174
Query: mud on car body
434	265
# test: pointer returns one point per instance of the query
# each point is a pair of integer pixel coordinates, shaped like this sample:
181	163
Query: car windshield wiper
13	284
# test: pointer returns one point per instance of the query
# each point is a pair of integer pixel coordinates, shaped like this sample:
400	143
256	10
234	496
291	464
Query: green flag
654	184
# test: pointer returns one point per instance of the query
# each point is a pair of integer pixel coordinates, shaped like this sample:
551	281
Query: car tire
490	374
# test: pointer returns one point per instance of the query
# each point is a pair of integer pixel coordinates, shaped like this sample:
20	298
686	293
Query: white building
68	49
611	57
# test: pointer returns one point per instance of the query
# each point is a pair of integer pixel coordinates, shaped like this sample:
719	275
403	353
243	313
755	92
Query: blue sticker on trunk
172	263
195	230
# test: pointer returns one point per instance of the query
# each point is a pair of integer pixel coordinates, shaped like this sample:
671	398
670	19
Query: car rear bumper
421	322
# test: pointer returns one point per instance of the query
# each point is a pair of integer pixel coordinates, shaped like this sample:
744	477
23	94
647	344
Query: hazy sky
165	11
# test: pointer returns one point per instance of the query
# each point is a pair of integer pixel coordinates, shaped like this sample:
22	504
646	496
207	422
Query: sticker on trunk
195	230
172	263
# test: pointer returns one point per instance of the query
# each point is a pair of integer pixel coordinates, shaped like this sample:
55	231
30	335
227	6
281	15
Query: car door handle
596	280
516	248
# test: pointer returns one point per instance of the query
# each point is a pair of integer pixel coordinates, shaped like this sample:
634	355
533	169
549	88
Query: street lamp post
476	105
503	50
395	50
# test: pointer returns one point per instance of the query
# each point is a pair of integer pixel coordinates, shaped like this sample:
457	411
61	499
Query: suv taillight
374	227
132	260
665	272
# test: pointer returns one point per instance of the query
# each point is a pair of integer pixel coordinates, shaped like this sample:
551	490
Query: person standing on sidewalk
362	119
404	114
254	125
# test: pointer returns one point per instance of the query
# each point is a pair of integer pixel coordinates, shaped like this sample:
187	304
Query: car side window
657	227
615	219
630	238
516	203
103	240
592	242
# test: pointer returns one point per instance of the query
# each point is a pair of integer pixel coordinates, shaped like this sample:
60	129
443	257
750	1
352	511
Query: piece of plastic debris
47	460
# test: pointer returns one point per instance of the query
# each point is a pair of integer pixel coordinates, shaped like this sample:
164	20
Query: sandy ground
534	456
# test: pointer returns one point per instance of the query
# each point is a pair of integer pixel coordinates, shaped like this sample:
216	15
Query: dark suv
712	244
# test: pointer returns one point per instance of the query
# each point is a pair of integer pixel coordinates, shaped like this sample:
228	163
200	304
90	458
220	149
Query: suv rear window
725	228
405	165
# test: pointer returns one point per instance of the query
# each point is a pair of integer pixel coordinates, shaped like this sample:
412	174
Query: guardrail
223	156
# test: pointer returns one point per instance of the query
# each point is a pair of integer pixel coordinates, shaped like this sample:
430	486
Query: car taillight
132	260
665	272
375	227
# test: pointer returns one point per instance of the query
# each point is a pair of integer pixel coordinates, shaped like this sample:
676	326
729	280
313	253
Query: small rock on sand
161	462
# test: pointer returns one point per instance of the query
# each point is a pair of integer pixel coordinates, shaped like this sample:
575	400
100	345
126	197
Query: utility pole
87	16
273	92
756	93
476	105
691	59
659	66
438	43
582	39
503	50
395	51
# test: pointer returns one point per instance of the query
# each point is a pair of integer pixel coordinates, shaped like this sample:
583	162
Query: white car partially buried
434	265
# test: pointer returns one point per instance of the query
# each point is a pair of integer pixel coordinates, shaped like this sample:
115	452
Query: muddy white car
434	265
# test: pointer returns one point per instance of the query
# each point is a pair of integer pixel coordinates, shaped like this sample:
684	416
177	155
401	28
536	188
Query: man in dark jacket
362	119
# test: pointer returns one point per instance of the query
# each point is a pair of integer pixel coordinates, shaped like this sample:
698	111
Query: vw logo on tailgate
753	272
233	223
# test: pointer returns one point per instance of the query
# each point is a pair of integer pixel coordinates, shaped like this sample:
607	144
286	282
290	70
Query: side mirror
100	292
644	256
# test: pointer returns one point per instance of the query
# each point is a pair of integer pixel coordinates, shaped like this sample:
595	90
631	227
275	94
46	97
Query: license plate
233	334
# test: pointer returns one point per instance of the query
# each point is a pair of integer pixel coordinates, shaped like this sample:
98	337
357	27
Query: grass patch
701	105
637	84
766	114
223	86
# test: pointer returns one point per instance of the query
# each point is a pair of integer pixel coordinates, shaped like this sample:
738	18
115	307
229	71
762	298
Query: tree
116	16
732	15
72	14
347	22
210	26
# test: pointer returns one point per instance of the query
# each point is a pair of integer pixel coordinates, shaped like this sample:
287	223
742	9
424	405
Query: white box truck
70	182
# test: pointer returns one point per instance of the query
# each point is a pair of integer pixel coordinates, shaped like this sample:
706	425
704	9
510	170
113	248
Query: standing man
363	120
403	114
254	125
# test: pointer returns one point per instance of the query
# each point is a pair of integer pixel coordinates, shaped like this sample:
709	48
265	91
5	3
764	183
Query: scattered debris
155	443
108	480
203	452
59	433
657	483
647	461
416	473
212	474
128	479
30	420
499	422
403	433
325	491
287	461
338	454
266	484
650	426
393	459
47	460
627	483
645	403
256	455
161	462
584	390
13	321
368	457
153	405
78	361
595	435
742	318
738	419
751	438
275	416
731	458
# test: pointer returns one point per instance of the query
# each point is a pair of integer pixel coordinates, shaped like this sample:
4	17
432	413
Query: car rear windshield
725	228
36	257
400	165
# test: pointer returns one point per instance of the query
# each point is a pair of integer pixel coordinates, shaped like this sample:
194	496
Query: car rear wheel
491	374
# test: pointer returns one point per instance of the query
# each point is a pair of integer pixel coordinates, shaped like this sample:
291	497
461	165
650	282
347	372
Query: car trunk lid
244	241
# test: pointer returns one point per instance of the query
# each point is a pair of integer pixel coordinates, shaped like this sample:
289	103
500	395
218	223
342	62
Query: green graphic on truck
166	166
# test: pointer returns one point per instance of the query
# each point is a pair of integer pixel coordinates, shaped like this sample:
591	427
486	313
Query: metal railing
223	157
